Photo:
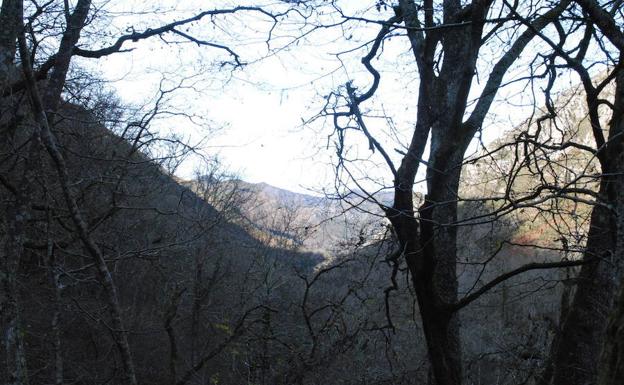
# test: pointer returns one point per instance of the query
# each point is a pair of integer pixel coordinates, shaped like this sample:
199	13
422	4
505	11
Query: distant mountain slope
308	222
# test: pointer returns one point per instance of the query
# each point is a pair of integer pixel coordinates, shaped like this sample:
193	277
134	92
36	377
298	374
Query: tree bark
583	331
14	344
612	365
119	332
55	325
611	369
580	342
17	214
429	243
11	22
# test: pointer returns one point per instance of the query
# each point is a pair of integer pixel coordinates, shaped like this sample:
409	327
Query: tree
36	127
611	368
582	331
108	226
446	41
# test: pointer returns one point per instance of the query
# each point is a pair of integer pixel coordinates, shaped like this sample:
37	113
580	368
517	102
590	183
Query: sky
256	130
252	118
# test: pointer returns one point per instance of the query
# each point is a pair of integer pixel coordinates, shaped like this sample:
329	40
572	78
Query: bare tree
36	125
446	40
582	331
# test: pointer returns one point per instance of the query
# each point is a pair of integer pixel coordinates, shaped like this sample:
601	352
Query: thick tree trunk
611	370
576	361
11	22
441	328
435	284
612	365
431	249
429	245
17	214
580	342
438	238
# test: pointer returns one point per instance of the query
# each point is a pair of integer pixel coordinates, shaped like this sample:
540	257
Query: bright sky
255	129
252	118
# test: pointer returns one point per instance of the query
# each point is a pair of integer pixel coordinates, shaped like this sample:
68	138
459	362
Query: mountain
323	224
224	281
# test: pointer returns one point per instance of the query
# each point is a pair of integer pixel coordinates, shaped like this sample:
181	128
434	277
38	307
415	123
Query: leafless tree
582	331
35	125
446	40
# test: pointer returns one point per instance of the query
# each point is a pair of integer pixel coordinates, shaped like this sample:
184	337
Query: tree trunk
55	282
11	22
429	246
576	361
14	334
441	330
612	365
119	332
582	331
438	238
17	214
612	361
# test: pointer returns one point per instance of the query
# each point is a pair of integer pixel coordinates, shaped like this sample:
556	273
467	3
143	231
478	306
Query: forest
468	234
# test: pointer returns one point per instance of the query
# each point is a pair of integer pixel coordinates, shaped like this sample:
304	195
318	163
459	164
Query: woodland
471	234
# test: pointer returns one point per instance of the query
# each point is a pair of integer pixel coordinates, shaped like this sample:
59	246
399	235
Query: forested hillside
470	233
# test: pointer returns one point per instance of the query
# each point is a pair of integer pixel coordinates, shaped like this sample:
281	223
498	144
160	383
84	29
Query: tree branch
171	27
605	22
500	68
510	274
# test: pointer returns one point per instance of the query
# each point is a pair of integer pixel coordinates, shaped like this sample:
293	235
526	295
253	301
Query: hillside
162	243
197	267
315	223
507	271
